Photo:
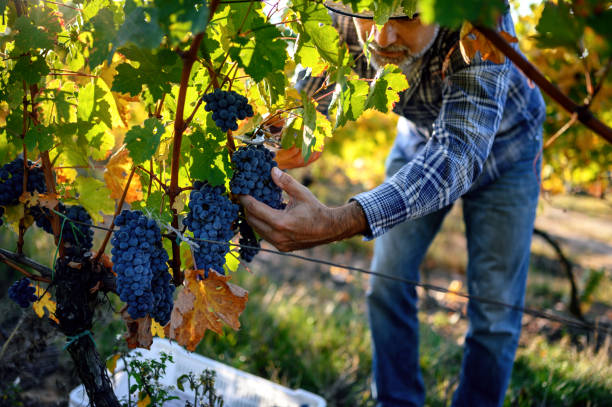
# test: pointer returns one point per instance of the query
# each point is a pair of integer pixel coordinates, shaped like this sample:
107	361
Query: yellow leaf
44	302
179	203
65	175
117	173
12	216
157	329
111	363
205	304
145	402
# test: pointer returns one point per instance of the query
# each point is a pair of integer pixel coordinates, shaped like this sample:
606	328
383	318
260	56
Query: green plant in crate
147	374
203	387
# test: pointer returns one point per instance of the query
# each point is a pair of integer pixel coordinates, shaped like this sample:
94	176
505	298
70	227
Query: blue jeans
499	221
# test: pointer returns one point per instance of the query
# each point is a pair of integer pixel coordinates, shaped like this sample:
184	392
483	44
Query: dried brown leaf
472	41
138	331
205	304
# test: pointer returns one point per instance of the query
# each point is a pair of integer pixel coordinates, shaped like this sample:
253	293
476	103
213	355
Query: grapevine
84	83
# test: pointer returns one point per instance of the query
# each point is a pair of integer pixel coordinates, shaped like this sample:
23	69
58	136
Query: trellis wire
570	322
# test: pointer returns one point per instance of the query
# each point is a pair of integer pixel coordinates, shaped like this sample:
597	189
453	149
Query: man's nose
385	36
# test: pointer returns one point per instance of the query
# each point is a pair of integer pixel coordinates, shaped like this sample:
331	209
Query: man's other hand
305	222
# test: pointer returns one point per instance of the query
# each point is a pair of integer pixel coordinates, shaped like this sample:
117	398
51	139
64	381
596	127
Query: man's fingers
259	210
287	183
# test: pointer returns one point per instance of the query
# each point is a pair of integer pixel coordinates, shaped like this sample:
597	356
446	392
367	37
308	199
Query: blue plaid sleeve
474	97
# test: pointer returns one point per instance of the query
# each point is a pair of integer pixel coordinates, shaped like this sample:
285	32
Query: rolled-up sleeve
474	97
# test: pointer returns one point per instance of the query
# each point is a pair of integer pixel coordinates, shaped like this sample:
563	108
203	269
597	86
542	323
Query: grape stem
23	271
189	58
117	211
153	177
585	116
17	258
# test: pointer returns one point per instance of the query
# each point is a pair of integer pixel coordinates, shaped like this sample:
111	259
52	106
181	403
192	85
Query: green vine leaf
94	196
384	91
30	69
558	27
142	142
103	30
262	53
157	70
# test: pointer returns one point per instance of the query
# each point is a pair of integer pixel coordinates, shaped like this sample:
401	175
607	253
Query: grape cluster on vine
11	181
22	292
252	165
211	215
227	107
78	234
141	264
247	238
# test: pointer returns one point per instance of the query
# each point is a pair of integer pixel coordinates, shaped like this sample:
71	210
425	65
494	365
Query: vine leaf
205	304
35	198
111	363
44	303
384	91
472	41
116	175
138	331
142	142
94	197
157	329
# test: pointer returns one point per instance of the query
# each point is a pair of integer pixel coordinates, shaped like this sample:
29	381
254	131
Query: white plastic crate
238	388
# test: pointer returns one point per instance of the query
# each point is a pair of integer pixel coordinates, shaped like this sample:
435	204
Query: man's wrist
349	220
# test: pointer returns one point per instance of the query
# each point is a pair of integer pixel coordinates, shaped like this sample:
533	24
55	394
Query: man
466	130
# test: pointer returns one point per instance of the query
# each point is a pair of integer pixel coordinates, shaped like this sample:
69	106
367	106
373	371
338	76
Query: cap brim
347	10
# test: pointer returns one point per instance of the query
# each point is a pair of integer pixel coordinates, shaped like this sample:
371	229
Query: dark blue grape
211	215
78	235
11	181
141	264
247	238
227	107
252	165
22	292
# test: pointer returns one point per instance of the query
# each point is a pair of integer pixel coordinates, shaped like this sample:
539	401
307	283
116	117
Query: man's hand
305	222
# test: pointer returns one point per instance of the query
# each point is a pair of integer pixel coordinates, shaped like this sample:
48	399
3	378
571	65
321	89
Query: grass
558	374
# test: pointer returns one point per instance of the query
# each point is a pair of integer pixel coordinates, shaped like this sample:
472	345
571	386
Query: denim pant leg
499	223
392	309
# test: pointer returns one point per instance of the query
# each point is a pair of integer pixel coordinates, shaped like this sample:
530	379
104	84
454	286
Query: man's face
396	41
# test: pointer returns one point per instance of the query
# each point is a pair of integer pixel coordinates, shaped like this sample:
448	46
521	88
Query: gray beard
407	65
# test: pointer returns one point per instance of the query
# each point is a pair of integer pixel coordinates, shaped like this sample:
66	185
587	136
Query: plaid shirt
470	123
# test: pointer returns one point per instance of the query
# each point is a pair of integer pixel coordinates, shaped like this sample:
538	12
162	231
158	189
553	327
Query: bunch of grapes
11	181
227	107
210	217
141	264
252	165
247	238
78	234
22	292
